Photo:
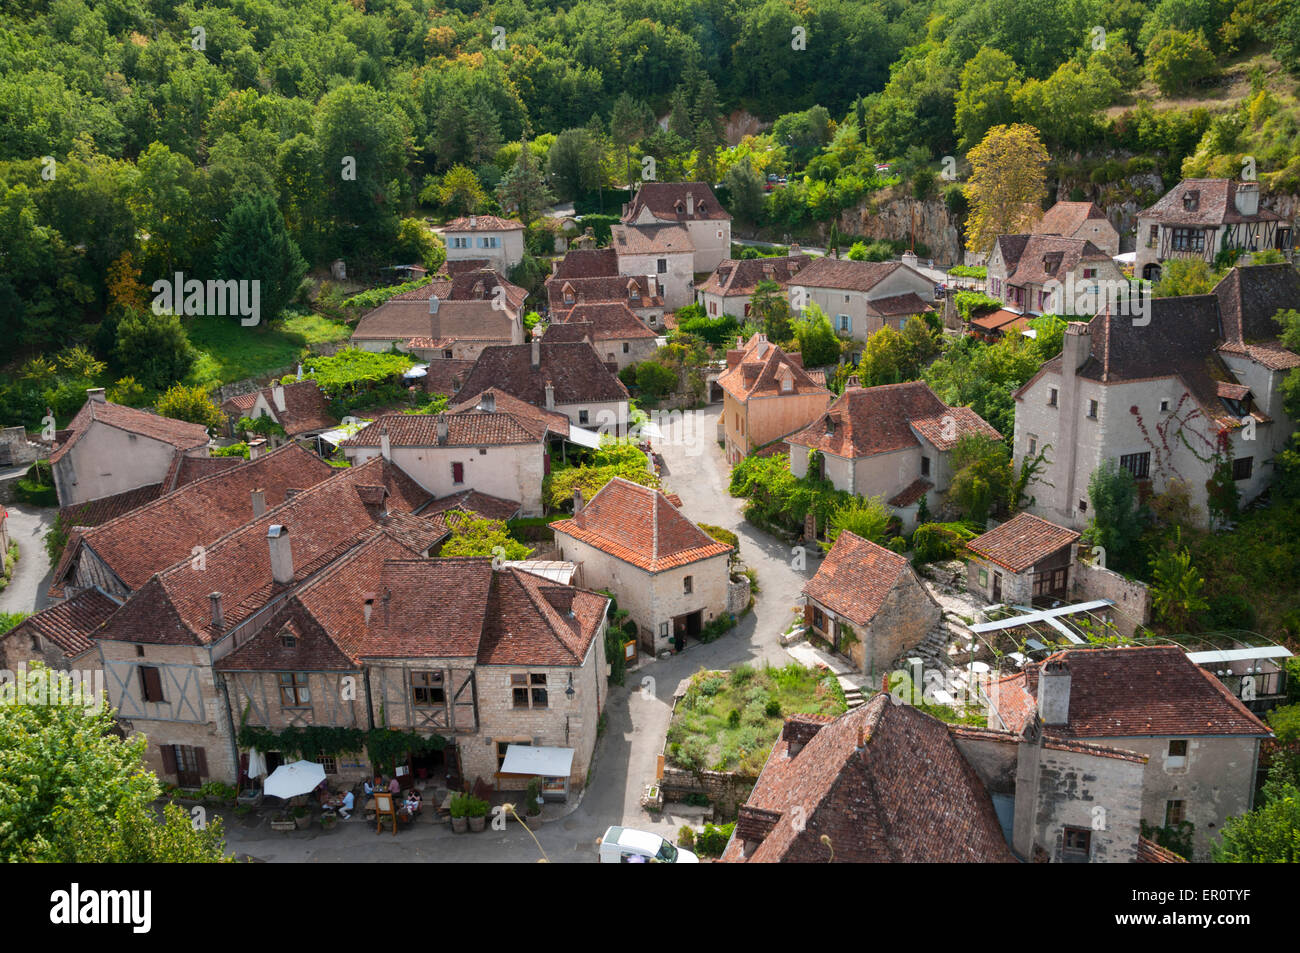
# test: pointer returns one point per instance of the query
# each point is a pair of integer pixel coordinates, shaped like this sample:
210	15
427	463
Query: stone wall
737	595
726	789
897	216
16	449
1132	598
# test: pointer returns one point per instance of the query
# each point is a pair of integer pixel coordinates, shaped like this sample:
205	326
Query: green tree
1185	276
1114	525
73	791
982	478
415	244
631	121
191	404
473	535
745	188
255	246
1178	60
1176	586
989	83
459	192
524	188
817	341
769	306
867	518
1007	184
886	358
1270	834
655	379
575	163
153	348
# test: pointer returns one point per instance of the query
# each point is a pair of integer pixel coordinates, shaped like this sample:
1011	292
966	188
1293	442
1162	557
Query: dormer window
787	385
830	424
288	640
1191	200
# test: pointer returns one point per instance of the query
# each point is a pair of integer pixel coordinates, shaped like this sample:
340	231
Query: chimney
550	394
299	372
388	600
733	358
277	538
852	382
369	606
473	221
537	353
1247	199
488	402
259	503
277	395
794	250
442	429
690	204
578	504
96	394
1054	692
385	444
433	304
218	617
652	286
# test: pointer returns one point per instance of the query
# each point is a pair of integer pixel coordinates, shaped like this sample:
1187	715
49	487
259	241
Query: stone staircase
853	696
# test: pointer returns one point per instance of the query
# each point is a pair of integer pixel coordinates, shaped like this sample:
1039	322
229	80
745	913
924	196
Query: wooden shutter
201	756
169	759
151	684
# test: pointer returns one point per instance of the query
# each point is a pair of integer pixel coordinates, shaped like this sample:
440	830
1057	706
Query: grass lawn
228	351
728	721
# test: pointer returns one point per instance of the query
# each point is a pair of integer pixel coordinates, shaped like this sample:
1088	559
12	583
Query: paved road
28	526
636	714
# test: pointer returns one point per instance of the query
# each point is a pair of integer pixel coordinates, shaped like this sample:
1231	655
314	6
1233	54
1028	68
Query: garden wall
727	790
1132	598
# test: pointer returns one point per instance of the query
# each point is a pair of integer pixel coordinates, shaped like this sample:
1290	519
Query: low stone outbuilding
1025	561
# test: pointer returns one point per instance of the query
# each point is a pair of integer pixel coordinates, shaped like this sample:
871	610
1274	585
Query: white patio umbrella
290	780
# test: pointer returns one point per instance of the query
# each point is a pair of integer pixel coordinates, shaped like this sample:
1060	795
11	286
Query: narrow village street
637	713
27	527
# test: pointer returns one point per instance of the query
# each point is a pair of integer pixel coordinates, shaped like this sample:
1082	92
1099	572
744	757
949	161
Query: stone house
730	286
894	441
1198	218
499	240
664	251
640	293
570	378
861	297
766	394
57	637
448	319
109	449
1048	274
496	445
583	263
670	575
1025	561
691	205
1161	399
1198	743
301	408
868	602
888	783
1080	220
612	328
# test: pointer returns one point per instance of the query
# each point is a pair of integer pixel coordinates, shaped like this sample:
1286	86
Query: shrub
686	837
773	708
35	494
191	404
713	841
898	544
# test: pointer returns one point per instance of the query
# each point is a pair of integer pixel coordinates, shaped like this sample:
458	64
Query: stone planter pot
477	824
459	825
283	824
303	822
328	822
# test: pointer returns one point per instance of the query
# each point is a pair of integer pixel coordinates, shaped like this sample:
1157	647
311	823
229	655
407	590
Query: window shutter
201	755
169	759
151	684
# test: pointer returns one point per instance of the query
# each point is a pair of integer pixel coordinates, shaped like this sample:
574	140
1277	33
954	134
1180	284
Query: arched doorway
1151	272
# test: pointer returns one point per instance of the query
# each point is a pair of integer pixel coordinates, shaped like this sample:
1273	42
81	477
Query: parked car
625	845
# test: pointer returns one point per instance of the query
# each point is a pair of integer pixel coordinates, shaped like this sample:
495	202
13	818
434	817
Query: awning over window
534	759
584	438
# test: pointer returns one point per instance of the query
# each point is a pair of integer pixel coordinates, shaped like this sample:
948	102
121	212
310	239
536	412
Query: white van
623	845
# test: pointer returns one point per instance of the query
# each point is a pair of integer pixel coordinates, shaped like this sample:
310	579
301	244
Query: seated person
348	800
395	787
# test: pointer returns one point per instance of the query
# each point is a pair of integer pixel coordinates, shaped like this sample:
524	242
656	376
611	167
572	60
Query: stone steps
853	696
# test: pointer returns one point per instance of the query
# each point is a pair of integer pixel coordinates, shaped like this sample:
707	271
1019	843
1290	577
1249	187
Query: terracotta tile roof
446	375
420	533
1130	692
845	274
463	430
1149	852
758	371
409	321
911	493
667	202
739	277
603	288
585	263
1011	247
864	421
884	783
1272	356
1066	218
467	284
576	372
164	532
69	623
324	522
456	266
1022	542
532	621
1249	297
178	433
483	223
651	240
95	512
185	469
537	420
1216	205
1051	258
856	577
894	306
472	501
1002	320
638	525
306	408
603	321
1054	743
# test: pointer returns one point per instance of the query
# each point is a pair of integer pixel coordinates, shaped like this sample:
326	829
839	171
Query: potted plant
460	813
477	813
533	797
283	822
302	817
328	821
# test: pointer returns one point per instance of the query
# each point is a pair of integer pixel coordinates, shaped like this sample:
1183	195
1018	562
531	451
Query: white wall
678	283
513	472
105	460
508	255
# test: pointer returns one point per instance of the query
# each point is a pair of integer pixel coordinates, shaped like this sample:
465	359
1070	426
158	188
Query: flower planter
460	825
328	822
303	822
477	824
283	824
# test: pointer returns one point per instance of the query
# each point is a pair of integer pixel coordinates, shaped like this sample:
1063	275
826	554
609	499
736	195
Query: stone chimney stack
277	538
277	396
385	444
256	448
433	304
852	382
259	503
369	606
690	203
578	503
537	353
1054	693
550	396
442	429
97	394
1247	198
218	617
488	402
